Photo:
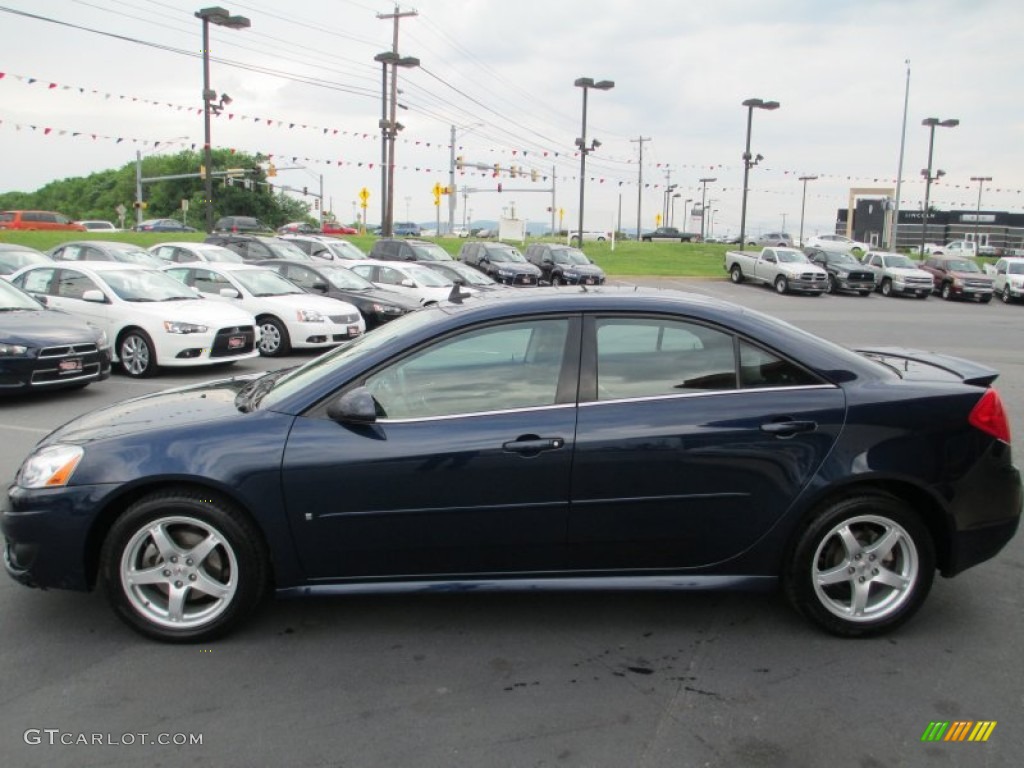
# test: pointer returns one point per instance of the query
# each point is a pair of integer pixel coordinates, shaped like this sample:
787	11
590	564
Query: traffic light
305	191
499	186
271	170
497	169
437	196
513	171
316	204
533	175
459	162
202	171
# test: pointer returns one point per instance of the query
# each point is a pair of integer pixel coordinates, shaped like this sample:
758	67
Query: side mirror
408	283
354	407
320	287
94	295
42	298
228	293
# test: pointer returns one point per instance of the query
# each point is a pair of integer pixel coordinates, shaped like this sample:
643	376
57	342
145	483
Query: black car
845	273
502	263
376	305
463	274
564	265
258	247
241	224
162	225
669	234
46	349
599	438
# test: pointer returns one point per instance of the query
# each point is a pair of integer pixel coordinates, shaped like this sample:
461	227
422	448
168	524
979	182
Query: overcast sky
306	90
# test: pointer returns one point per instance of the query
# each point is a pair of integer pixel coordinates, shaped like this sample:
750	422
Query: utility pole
668	191
451	186
397	16
639	181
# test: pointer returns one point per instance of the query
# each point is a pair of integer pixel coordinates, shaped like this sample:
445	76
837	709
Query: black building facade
998	229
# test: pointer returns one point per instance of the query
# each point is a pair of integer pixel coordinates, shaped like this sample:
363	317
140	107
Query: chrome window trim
711	392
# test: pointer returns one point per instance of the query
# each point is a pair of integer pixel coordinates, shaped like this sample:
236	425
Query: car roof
220	266
97	266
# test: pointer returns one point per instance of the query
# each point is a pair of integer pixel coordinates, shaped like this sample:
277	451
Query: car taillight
989	416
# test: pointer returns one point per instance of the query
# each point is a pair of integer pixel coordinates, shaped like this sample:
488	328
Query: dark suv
256	248
240	224
564	265
958	277
393	249
501	262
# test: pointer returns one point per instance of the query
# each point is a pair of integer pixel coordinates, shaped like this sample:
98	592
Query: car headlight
173	326
103	341
13	350
50	467
386	309
958	282
309	316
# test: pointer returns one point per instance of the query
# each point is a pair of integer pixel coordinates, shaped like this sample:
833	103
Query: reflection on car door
684	458
465	472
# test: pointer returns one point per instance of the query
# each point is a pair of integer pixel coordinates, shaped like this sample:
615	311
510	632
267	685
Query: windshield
324	365
899	261
1016	268
12	298
841	258
134	255
264	282
428	278
570	256
146	285
431	252
468	274
345	279
342	249
219	253
962	265
505	255
791	257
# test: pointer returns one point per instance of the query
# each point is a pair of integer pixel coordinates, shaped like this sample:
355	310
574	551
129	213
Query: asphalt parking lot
660	679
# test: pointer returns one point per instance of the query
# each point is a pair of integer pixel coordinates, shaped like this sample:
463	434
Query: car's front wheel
183	566
947	292
137	355
862	566
274	340
887	287
1006	296
781	284
831	286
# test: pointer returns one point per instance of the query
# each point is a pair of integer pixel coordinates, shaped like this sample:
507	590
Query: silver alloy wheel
135	355
270	338
1006	297
781	284
865	568
179	572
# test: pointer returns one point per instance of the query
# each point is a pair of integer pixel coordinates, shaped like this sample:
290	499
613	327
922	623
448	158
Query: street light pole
931	122
703	194
977	214
586	83
748	163
803	204
222	18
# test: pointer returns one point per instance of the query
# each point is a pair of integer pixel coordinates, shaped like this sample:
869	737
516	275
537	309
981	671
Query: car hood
582	269
908	272
390	297
971	275
44	328
296	301
202	311
797	268
516	267
180	407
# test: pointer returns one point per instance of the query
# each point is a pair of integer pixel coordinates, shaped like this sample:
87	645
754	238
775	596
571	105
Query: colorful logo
959	730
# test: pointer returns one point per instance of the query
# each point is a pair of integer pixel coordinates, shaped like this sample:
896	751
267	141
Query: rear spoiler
919	364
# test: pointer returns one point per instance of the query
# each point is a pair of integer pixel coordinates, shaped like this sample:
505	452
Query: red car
338	229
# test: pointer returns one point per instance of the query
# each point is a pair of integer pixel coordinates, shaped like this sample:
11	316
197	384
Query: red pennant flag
46	131
53	85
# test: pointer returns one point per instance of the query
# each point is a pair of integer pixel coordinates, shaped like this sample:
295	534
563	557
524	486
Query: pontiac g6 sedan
544	439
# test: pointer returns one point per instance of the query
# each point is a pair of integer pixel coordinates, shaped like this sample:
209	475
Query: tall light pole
686	212
748	162
931	123
977	214
803	204
586	83
393	128
222	18
703	194
639	181
383	58
672	209
894	230
665	198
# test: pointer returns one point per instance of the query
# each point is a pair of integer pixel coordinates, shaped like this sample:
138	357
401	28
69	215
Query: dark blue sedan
549	439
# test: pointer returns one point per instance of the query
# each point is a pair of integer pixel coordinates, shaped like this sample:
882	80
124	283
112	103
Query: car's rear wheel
183	566
736	274
862	566
137	355
274	340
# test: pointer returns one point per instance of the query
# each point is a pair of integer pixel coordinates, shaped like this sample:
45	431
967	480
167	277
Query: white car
1009	279
99	225
182	253
326	247
837	243
287	316
408	278
152	319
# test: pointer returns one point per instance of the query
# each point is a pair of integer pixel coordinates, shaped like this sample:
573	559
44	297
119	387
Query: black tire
781	284
887	287
736	274
985	299
946	292
864	293
1005	295
208	554
274	340
830	287
137	354
557	280
870	586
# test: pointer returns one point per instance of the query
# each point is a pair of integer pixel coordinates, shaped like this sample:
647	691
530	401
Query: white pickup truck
785	268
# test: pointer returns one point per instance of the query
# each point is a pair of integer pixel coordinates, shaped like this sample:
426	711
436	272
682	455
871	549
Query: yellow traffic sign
364	195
